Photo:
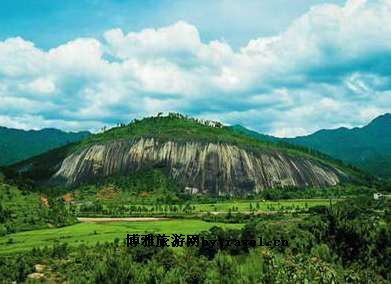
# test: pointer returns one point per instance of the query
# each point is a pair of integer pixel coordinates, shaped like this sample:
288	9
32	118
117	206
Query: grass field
90	233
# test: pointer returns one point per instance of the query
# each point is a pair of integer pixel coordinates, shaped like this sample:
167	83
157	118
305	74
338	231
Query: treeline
312	192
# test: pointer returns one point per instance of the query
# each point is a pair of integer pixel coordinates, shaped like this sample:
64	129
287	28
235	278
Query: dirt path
126	219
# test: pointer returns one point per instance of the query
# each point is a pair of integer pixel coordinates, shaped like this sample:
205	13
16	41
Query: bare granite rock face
207	167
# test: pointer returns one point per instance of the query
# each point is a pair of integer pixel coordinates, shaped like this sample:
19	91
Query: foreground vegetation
21	210
336	235
345	243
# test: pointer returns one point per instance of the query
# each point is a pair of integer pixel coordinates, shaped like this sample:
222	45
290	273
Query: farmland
91	233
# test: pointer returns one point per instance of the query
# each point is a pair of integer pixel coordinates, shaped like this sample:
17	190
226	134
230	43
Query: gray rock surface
208	167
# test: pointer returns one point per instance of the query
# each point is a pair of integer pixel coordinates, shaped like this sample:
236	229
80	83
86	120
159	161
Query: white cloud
327	69
39	86
19	58
178	39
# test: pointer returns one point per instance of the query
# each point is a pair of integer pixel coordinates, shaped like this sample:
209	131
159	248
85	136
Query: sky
279	68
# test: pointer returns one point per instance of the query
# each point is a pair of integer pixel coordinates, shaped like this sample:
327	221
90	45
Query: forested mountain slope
17	145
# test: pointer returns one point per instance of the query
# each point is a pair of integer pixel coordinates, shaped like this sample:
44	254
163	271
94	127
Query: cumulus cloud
178	39
330	68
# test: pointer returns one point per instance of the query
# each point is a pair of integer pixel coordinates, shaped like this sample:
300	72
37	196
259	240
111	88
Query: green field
91	233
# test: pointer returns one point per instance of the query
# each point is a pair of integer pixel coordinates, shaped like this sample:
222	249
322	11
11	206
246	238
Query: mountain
202	156
17	145
368	147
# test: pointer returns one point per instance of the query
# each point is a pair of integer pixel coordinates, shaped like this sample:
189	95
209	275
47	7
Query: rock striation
207	167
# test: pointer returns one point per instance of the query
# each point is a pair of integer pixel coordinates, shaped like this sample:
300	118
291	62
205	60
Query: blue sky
272	66
50	23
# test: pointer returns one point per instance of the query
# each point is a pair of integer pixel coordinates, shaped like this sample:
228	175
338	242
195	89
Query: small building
377	196
191	190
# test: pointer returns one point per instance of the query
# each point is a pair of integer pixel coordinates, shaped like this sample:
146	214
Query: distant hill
368	147
17	145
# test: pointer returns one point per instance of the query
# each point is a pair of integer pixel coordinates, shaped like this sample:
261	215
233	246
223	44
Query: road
126	219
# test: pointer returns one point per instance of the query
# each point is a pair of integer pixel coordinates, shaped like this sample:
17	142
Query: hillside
204	157
17	145
243	130
368	147
22	210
